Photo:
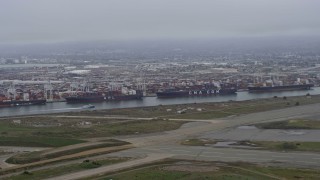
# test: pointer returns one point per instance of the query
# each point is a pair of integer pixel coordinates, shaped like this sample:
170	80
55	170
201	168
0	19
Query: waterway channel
146	101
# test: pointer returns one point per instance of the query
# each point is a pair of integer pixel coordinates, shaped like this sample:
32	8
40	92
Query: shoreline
83	111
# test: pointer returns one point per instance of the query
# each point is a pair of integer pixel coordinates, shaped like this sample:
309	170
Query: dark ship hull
21	103
280	88
84	99
125	97
118	96
191	93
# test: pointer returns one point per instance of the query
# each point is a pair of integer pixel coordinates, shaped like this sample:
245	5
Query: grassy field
291	124
266	145
197	142
206	110
220	171
57	171
31	141
27	135
30	157
288	146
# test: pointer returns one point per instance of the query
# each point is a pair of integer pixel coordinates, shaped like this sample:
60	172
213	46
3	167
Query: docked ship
9	103
202	90
293	87
270	86
88	97
127	97
20	99
112	95
124	95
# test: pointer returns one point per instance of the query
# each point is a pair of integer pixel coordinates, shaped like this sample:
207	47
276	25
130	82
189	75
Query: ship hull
22	103
125	97
84	99
280	88
195	93
96	99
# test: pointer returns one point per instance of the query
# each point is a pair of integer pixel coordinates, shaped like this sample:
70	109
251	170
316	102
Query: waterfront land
150	134
195	111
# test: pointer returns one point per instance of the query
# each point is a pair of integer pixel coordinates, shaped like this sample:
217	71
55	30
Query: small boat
89	106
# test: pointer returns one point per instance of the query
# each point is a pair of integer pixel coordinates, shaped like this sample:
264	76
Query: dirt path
112	168
69	157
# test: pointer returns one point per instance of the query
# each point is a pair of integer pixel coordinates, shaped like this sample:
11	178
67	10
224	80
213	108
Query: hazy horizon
55	21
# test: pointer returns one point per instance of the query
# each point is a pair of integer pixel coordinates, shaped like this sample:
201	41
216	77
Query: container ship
203	90
20	101
125	95
9	103
270	86
114	95
280	88
88	97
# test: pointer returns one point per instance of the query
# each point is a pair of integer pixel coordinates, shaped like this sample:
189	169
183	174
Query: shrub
287	145
27	172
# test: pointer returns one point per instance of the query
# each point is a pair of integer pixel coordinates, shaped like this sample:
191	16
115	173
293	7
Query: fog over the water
46	21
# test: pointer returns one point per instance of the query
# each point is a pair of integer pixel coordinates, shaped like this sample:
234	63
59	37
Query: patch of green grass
27	134
291	124
57	171
288	146
90	164
142	126
201	115
32	141
223	171
197	142
30	157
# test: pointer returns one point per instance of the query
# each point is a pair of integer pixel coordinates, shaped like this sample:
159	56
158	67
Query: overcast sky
28	21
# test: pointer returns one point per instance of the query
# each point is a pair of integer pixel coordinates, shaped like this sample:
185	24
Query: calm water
147	101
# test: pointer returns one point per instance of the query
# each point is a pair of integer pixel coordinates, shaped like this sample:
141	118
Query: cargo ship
206	90
22	99
85	98
114	95
118	96
9	103
280	88
276	85
124	94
